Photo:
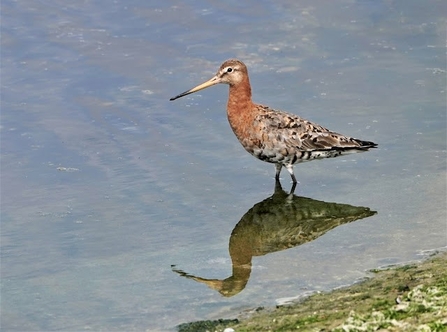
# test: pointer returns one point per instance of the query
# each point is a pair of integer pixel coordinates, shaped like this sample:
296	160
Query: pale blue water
105	183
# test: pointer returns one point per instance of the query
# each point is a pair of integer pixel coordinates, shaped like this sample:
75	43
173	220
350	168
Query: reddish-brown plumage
240	108
275	136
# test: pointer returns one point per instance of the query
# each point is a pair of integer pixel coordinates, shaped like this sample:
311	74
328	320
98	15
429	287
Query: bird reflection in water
277	223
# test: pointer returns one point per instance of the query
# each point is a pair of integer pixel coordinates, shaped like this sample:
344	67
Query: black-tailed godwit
274	136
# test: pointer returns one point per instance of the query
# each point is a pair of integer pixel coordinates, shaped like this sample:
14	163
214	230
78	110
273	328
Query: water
105	183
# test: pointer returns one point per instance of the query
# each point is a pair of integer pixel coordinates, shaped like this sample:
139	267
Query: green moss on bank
407	298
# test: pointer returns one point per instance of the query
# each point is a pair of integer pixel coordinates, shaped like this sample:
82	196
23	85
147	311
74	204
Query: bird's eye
229	70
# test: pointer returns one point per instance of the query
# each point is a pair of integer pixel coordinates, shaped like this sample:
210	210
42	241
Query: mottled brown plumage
275	136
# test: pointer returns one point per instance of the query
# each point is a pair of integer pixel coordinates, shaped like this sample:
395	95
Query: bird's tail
365	145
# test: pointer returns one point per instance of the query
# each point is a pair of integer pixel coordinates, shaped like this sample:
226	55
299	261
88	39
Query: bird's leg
290	169
278	186
294	182
292	190
278	171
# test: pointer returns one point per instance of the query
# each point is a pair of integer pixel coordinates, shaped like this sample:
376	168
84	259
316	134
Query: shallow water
109	191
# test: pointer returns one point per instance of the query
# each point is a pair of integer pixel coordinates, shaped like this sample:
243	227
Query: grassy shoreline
406	298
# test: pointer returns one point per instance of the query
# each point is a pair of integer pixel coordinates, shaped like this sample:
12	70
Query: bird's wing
302	134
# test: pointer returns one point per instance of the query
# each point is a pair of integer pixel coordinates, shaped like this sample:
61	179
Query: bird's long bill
213	81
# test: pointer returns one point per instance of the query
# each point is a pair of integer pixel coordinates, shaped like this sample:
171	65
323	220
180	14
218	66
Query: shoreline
411	297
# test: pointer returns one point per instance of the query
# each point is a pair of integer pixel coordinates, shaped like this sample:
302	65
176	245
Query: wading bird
274	136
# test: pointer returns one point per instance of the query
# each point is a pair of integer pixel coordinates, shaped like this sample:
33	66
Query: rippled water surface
121	210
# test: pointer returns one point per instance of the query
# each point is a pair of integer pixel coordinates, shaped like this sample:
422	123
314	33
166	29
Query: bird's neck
239	99
240	107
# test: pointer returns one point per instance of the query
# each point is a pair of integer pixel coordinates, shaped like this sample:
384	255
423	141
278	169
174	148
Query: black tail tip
366	144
